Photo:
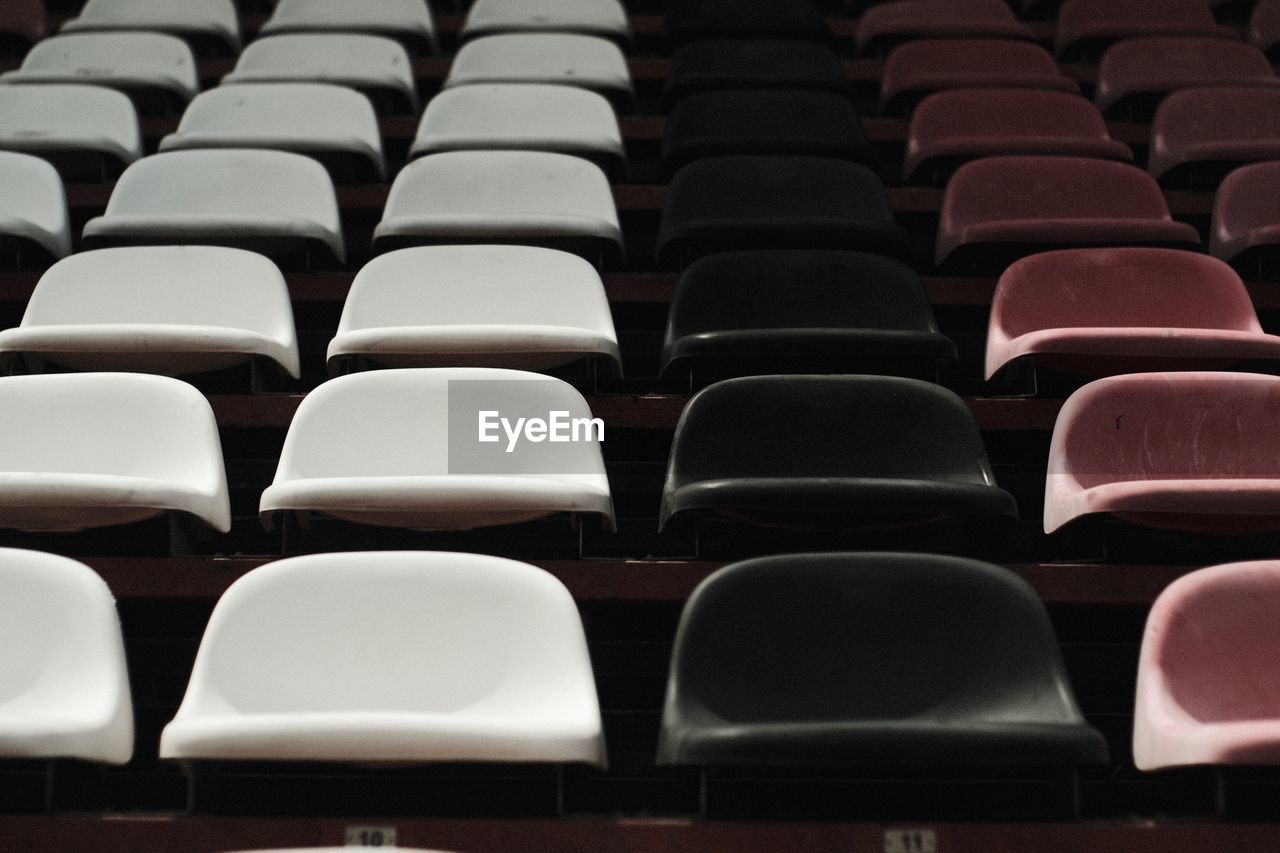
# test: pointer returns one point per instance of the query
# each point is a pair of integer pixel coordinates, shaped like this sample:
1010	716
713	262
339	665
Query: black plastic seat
796	311
872	660
695	19
830	453
769	121
784	202
752	64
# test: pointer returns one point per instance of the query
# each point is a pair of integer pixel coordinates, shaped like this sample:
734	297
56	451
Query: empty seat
62	121
781	19
830	452
64	681
525	116
271	201
196	20
1085	27
1108	311
22	24
605	18
157	309
528	197
403	448
790	311
1147	69
1212	128
887	24
1245	228
1013	206
767	121
558	58
475	306
1206	686
949	128
1184	451
142	65
1264	27
33	208
377	66
802	660
408	21
781	202
91	450
391	657
918	67
752	64
332	123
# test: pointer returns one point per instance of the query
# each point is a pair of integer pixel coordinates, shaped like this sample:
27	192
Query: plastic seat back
33	208
212	20
58	121
408	21
605	18
1211	129
565	59
918	67
1147	69
1087	26
886	24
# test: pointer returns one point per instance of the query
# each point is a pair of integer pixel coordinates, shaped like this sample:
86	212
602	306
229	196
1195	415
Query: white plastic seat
132	62
306	118
92	450
64	688
157	309
210	19
406	20
393	656
502	197
272	200
67	118
605	18
377	448
564	59
529	117
490	306
33	206
372	64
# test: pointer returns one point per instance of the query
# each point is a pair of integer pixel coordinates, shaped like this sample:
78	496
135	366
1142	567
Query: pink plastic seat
1245	228
22	22
965	124
888	23
932	65
1025	204
1207	686
1101	312
1181	451
1210	126
1264	27
1086	25
1147	69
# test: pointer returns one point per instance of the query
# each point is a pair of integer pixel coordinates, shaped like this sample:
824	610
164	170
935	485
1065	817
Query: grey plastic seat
59	120
605	18
407	21
209	20
33	207
559	58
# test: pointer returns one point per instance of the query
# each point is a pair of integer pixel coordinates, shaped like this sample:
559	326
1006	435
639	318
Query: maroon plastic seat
880	27
948	128
1210	129
1245	228
1264	27
1014	206
932	65
1087	26
22	23
1101	312
1182	451
1207	688
1147	69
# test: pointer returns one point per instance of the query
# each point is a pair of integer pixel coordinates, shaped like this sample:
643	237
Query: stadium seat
376	448
407	21
397	656
523	116
33	209
22	24
1101	312
64	122
752	64
1086	27
527	197
377	66
271	201
63	676
195	20
1206	686
333	124
802	660
781	202
1211	129
557	58
887	24
145	66
1137	73
949	128
157	309
1014	206
769	121
796	311
605	18
1182	451
916	68
1245	228
92	450
716	19
830	452
1264	27
475	306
